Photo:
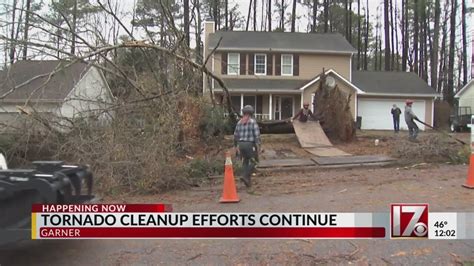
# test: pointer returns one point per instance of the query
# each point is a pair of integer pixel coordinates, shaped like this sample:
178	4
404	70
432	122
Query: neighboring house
60	89
278	71
465	95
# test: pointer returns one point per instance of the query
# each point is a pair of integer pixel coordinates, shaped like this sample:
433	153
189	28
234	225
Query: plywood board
310	134
361	159
285	163
326	151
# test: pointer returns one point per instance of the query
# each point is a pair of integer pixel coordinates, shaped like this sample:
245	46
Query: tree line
428	37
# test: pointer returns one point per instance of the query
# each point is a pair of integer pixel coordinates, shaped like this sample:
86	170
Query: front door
286	107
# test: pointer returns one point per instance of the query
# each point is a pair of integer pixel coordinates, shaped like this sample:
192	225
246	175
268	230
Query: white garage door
376	114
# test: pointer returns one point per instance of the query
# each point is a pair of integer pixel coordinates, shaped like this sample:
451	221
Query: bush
213	122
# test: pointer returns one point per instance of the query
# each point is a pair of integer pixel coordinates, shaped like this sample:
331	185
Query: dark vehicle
460	119
46	182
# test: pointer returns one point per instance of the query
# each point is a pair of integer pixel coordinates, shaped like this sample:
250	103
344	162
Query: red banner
213	232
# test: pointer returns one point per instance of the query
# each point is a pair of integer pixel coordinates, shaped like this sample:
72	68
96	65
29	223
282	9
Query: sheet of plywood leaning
312	138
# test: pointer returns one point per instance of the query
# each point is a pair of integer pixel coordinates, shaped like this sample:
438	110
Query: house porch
268	106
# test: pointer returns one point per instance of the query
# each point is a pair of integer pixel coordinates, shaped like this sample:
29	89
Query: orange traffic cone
229	194
470	173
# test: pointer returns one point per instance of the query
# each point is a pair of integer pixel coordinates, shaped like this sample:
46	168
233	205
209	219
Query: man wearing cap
409	119
247	142
304	114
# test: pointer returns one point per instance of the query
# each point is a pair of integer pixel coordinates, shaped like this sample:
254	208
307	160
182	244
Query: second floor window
287	65
260	64
233	64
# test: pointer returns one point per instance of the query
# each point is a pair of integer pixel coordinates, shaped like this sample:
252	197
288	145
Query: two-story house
276	72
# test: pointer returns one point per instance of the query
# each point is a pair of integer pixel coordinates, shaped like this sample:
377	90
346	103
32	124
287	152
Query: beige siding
467	98
311	65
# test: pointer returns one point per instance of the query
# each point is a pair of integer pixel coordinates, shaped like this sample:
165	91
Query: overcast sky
302	12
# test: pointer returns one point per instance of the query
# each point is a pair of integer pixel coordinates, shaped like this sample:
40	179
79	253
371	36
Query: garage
375	112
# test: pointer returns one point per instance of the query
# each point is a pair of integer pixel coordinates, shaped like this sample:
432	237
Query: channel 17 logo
409	220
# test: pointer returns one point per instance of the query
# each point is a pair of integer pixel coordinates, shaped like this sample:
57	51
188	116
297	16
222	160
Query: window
260	64
287	65
233	64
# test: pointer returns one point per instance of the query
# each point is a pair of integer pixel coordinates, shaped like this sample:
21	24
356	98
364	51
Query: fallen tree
332	109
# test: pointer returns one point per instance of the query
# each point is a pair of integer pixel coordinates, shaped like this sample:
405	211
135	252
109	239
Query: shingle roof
44	88
281	41
262	84
397	83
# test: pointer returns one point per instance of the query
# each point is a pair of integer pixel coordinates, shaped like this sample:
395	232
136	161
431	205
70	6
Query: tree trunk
426	38
282	19
226	13
346	19
326	16
215	12
435	45
376	47
315	15
73	30
12	36
464	43
415	36
255	15
186	21
248	16
405	36
442	65
269	14
25	32
359	40
397	46
449	92
392	37
350	21
387	34
422	40
198	32
366	45
293	16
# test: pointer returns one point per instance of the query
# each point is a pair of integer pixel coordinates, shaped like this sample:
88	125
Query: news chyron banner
142	221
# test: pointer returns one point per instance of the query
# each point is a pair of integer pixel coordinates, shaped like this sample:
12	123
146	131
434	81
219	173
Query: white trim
270	106
281	65
356	109
432	112
311	82
301	100
238	64
238	90
241	102
402	95
267	50
461	91
255	65
350	69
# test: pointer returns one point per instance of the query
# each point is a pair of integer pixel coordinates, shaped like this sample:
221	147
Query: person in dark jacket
304	114
396	112
410	118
